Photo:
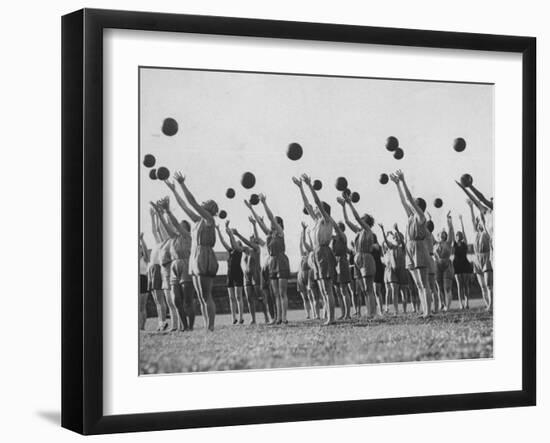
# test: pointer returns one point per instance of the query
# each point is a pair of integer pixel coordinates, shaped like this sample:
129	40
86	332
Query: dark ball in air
254	199
438	203
346	192
294	151
398	153
163	173
169	127
392	143
317	185
149	160
230	193
355	197
153	174
459	144
466	180
222	214
248	180
384	178
341	183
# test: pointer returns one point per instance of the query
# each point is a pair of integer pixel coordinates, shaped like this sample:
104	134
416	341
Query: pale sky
231	122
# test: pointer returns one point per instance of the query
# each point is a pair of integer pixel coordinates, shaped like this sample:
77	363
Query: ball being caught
341	183
398	153
222	214
254	199
355	197
466	180
230	193
163	173
149	160
438	203
346	192
317	185
248	180
294	151
392	143
153	174
459	144
384	178
169	127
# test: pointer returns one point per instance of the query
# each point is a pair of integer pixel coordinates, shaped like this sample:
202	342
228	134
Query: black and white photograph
293	221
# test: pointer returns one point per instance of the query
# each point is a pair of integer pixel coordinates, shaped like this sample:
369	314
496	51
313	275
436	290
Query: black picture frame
82	220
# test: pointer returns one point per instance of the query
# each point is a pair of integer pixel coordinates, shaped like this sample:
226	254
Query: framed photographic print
269	221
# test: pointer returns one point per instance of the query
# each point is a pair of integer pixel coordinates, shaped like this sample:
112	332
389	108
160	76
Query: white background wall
30	237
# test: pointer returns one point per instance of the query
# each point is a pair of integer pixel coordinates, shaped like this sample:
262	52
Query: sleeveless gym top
204	234
339	245
252	259
429	242
234	261
322	232
364	240
461	252
181	246
482	243
443	250
275	244
415	229
304	265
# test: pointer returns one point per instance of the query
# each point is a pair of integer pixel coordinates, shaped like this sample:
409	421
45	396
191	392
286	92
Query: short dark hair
421	203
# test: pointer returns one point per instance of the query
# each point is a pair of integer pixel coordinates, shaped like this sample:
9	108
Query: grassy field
406	337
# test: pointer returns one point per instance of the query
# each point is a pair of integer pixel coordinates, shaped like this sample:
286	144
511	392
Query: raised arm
471	197
144	249
481	197
326	216
190	213
154	228
451	233
270	215
394	178
191	198
472	214
412	202
245	240
384	236
234	243
356	214
303	250
309	246
224	243
348	222
175	224
167	229
307	205
258	219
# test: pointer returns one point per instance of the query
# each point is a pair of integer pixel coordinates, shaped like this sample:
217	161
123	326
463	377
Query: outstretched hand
394	178
400	175
469	203
247	204
227	224
449	214
297	181
262	197
252	220
179	177
341	201
306	179
304	226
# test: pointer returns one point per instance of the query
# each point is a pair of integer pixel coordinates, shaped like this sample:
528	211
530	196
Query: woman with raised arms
252	271
444	265
154	278
418	257
279	268
302	279
203	264
364	260
321	234
462	266
235	276
483	267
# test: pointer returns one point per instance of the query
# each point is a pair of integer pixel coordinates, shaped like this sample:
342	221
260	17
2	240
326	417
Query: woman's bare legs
188	305
404	290
177	298
142	310
379	298
346	301
432	293
240	304
489	283
313	303
484	290
328	295
278	304
420	276
448	288
232	304
283	289
175	320
250	293
160	303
